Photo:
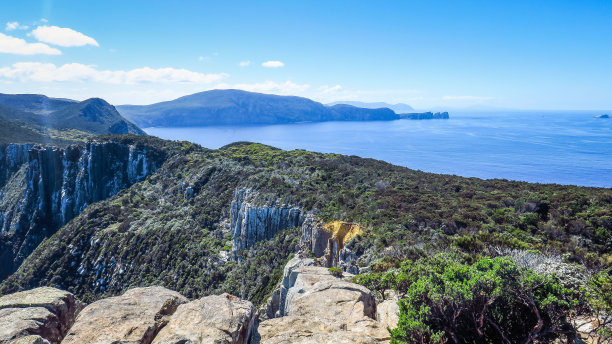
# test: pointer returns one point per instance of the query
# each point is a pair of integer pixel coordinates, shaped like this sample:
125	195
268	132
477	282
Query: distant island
602	116
397	108
425	115
237	107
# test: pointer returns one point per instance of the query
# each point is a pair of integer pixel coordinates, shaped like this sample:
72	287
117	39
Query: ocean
543	147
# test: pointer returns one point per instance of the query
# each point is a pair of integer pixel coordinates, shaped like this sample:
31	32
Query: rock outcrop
387	313
212	319
252	222
41	315
43	187
132	318
328	240
313	306
276	306
139	316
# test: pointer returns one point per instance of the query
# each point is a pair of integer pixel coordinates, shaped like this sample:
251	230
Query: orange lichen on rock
343	232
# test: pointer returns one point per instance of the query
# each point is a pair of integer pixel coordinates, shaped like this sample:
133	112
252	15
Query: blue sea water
544	147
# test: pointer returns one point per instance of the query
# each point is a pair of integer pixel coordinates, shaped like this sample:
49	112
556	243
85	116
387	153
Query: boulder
219	319
44	312
322	308
335	300
132	318
387	313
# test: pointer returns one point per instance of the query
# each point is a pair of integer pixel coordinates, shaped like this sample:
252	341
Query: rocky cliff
44	187
252	222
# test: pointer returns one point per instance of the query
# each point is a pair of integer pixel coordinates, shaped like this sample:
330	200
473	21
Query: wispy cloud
62	36
273	64
76	72
244	63
467	98
285	88
330	89
18	46
11	26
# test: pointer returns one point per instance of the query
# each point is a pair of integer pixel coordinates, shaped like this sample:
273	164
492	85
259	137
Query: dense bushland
171	229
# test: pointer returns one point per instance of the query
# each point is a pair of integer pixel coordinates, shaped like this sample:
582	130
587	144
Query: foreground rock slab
317	307
213	319
132	318
295	329
387	313
41	315
31	340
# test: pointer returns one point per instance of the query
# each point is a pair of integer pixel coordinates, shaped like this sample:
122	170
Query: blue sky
448	54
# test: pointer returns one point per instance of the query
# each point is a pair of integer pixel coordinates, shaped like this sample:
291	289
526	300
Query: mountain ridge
239	107
34	118
398	107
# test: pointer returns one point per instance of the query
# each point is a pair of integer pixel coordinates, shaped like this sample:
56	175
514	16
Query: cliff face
329	240
251	222
42	188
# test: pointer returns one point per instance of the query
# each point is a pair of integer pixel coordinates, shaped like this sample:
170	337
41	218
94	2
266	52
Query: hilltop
31	118
237	107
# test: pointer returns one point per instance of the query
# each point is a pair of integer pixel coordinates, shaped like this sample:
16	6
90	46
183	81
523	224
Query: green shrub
335	271
600	299
491	301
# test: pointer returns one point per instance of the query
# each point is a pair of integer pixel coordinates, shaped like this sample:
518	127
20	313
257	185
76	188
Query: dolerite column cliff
252	222
42	188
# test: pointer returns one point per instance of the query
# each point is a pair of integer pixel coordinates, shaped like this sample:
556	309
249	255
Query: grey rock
321	308
387	313
132	318
275	307
252	222
46	312
212	319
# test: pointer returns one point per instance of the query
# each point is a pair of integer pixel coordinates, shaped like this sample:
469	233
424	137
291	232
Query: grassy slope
151	234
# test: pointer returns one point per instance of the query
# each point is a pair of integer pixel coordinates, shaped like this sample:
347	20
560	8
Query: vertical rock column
251	222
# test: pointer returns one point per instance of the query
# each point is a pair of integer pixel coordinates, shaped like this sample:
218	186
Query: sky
518	54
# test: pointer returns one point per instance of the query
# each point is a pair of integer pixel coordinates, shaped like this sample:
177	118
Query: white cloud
76	72
10	26
286	88
62	36
244	63
273	64
201	58
330	89
18	46
468	98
